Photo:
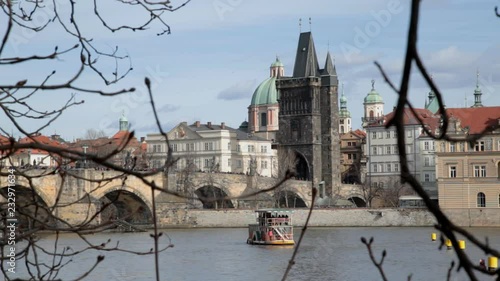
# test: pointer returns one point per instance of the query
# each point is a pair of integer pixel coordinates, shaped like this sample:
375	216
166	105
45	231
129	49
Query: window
174	147
396	167
350	144
427	177
408	148
354	156
375	168
263	164
381	184
452	147
374	150
389	167
229	146
229	162
263	119
263	148
426	145
207	163
381	135
388	149
374	135
427	161
238	163
481	200
251	148
349	156
479	146
394	134
209	146
388	134
453	171
341	121
409	133
238	148
396	151
479	171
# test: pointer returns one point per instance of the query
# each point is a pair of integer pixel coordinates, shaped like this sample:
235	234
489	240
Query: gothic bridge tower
308	116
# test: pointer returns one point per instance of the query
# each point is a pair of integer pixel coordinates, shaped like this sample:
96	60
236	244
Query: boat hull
274	242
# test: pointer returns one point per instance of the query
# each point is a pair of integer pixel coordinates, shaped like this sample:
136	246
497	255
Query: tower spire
300	25
477	93
310	25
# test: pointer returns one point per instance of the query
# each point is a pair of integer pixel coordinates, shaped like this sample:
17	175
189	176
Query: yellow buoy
433	236
461	244
492	263
448	244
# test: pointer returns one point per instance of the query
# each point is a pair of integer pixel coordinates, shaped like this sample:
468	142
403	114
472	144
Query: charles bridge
80	196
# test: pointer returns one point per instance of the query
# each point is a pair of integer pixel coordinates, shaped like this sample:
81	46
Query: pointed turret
329	66
306	62
477	93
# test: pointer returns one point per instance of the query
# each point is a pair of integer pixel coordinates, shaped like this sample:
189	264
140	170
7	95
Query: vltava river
222	254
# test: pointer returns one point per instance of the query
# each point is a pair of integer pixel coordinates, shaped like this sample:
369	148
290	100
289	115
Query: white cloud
240	90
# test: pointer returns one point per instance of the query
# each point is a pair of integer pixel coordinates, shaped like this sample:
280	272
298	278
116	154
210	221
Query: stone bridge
80	196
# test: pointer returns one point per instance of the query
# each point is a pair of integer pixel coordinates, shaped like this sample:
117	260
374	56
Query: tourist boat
274	227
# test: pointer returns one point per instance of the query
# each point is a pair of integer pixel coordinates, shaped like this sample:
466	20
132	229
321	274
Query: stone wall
332	218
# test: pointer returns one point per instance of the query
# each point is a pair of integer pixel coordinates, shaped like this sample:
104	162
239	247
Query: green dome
373	96
343	99
344	113
277	63
266	92
244	125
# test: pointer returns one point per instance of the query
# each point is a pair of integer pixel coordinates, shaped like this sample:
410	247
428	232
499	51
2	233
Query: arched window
371	113
263	119
481	200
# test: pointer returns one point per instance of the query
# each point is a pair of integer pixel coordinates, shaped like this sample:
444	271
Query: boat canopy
288	211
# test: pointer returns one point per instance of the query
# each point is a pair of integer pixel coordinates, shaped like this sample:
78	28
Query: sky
220	50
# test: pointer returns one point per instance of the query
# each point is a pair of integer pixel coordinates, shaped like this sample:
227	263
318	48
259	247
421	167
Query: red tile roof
360	133
41	139
476	118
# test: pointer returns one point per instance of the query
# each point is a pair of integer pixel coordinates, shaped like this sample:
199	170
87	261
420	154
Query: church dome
343	99
243	125
266	92
373	96
277	63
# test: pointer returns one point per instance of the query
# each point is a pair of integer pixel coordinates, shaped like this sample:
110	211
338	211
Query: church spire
477	93
306	62
329	66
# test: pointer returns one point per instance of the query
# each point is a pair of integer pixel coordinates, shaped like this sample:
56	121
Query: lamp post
85	157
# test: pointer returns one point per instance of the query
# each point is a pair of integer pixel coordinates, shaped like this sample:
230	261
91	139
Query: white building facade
214	148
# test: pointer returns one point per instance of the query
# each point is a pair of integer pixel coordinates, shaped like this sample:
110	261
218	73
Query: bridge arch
32	211
125	203
212	197
357	200
289	199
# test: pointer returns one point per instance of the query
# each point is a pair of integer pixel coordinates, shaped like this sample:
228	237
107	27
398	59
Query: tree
371	191
92	134
447	228
18	102
392	191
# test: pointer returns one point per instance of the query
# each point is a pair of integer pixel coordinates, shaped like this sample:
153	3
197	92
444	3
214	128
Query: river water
222	254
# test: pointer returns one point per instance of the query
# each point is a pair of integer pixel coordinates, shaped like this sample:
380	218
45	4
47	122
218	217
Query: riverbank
203	218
